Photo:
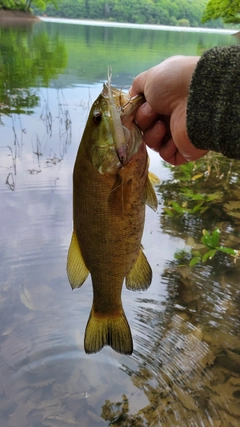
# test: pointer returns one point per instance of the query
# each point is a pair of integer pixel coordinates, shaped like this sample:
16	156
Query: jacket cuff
213	108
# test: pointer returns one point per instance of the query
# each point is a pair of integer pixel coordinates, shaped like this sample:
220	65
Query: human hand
163	117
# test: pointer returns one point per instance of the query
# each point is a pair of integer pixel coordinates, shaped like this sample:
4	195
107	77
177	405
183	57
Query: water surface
185	369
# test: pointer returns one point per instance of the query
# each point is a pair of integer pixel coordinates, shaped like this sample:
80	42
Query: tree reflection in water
29	59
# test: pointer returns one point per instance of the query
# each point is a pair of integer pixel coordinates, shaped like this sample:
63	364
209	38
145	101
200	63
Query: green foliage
192	202
228	10
202	195
211	243
42	4
12	4
26	4
183	23
200	205
166	12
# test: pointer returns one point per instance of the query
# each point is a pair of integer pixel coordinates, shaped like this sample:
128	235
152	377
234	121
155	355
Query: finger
154	135
138	84
145	116
170	153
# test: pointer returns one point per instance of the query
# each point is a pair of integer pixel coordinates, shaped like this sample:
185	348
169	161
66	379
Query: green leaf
209	254
197	207
169	212
178	208
197	254
210	240
194	261
215	237
218	195
204	209
187	192
197	176
198	196
226	250
206	241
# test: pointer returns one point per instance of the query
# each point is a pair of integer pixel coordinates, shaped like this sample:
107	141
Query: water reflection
188	348
185	368
188	353
29	57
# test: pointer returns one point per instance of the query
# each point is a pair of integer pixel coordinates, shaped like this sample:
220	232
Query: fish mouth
132	104
121	109
128	111
133	133
124	135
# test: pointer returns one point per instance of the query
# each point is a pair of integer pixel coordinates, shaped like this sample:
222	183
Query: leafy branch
228	10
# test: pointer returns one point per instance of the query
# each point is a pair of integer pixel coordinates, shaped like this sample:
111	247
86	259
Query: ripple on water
62	386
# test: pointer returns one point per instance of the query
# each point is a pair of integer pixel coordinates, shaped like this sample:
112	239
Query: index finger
138	84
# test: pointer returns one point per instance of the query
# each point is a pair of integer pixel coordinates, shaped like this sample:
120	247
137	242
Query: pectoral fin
151	198
76	268
140	276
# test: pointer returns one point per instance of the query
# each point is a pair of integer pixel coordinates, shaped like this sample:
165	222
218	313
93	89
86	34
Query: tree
228	10
41	4
12	4
26	4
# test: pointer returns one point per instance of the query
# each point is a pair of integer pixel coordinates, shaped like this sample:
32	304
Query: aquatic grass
65	123
40	140
14	151
37	148
46	117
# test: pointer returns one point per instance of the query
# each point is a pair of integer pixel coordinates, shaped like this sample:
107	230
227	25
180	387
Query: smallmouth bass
111	187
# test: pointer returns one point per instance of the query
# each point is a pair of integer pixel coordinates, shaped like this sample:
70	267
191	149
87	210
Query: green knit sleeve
213	108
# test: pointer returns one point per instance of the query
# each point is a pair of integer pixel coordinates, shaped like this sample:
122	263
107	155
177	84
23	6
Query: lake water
185	368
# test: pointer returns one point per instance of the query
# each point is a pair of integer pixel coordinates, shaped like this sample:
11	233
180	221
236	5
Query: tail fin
108	329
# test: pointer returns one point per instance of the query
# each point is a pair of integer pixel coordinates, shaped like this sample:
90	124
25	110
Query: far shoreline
21	16
155	27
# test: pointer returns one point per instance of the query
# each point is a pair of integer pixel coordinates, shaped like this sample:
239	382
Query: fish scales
108	218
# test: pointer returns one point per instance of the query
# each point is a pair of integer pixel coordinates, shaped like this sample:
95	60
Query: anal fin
140	276
76	269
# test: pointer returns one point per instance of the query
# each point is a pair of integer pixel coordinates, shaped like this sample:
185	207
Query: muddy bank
17	15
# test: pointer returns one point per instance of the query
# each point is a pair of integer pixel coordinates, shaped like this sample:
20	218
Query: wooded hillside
163	12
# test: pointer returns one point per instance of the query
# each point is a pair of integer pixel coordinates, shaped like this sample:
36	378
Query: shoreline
7	15
17	15
155	27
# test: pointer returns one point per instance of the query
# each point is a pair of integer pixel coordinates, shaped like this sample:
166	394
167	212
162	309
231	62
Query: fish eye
97	117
